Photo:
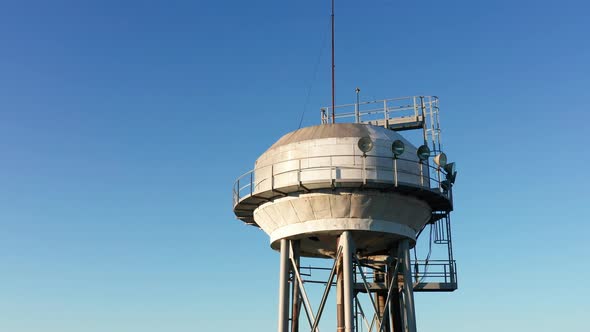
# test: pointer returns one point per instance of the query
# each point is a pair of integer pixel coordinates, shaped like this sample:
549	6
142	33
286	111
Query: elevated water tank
315	182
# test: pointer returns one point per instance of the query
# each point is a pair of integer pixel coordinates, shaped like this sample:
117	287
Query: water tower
354	190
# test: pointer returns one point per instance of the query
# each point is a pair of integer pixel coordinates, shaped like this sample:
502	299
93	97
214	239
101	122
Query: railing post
385	115
395	170
364	168
421	175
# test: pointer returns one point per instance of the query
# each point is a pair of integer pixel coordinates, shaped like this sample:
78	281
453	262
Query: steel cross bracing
390	293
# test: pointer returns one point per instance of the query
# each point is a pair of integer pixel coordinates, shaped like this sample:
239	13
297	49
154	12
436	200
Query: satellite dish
441	159
397	147
423	152
365	144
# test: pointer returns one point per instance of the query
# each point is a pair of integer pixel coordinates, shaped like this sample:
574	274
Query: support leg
394	305
404	255
340	322
347	251
296	302
380	299
284	287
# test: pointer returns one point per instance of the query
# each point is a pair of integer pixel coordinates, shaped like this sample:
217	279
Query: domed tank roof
332	139
338	130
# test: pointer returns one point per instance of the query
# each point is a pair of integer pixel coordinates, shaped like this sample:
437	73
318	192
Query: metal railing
442	271
412	106
413	112
431	271
373	169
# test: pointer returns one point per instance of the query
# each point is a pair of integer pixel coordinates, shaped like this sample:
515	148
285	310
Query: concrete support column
340	321
348	292
284	287
296	303
404	256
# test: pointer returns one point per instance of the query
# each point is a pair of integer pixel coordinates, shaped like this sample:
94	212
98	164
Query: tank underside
377	220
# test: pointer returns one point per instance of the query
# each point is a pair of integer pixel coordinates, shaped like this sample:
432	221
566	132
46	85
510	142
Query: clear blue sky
124	124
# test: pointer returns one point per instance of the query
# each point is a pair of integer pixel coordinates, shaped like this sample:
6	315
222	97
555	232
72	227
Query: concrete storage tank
359	193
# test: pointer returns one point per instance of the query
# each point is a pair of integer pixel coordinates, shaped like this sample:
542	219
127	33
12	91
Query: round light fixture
365	144
397	147
441	159
423	152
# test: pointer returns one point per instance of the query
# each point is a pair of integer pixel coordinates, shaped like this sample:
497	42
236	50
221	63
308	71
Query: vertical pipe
450	249
284	287
296	304
346	240
404	254
394	304
380	299
355	300
395	311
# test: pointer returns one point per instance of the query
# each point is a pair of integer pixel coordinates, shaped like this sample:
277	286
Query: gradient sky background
124	124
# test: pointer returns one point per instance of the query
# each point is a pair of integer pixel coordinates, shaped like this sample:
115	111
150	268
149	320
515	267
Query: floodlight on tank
397	147
365	144
441	159
423	152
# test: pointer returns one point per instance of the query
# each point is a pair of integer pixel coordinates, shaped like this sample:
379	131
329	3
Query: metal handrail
417	104
447	270
248	181
373	102
440	270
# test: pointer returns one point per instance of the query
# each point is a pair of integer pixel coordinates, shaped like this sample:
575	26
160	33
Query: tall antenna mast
333	69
